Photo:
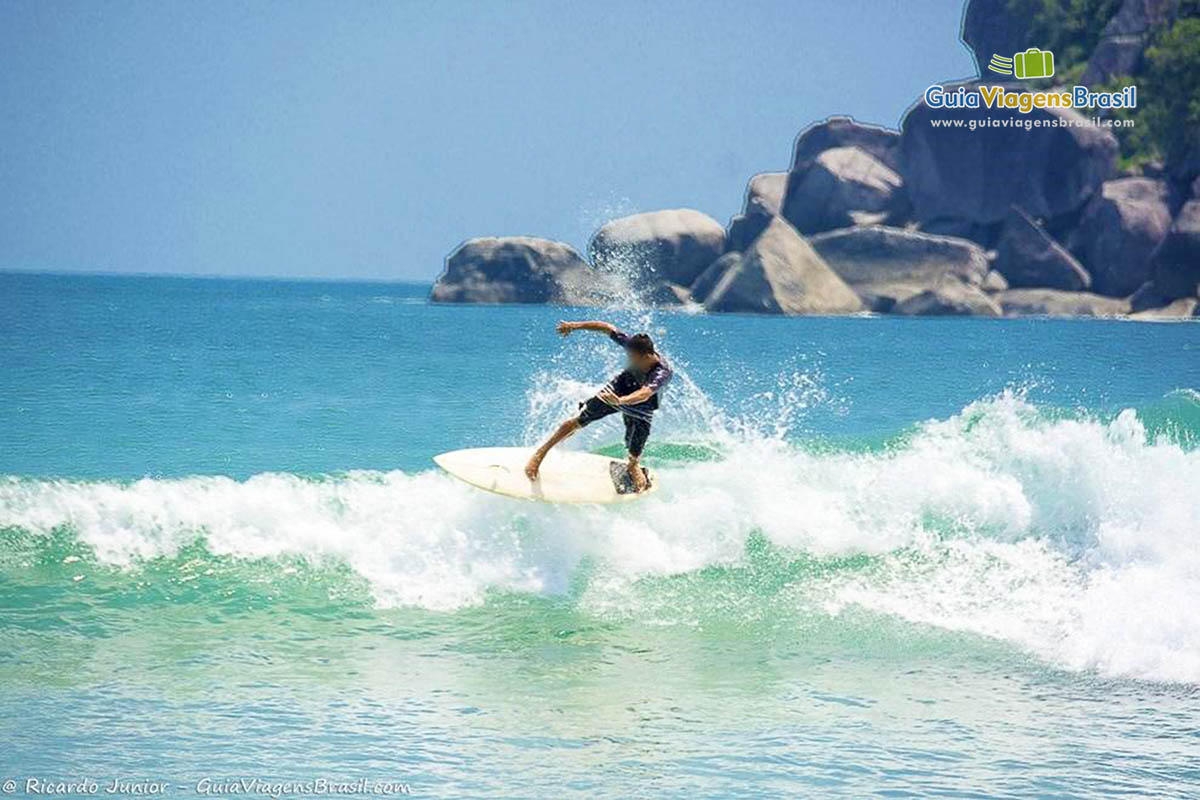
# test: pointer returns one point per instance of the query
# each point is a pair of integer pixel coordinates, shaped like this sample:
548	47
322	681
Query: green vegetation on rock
1170	109
1167	119
1069	28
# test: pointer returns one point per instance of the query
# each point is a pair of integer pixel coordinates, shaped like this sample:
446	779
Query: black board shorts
636	418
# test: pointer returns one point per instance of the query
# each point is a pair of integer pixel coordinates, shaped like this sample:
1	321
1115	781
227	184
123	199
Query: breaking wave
1071	536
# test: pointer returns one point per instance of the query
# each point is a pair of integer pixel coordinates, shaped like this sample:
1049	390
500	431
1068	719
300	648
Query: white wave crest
1075	539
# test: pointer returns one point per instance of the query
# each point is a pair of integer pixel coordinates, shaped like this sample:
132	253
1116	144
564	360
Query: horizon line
67	273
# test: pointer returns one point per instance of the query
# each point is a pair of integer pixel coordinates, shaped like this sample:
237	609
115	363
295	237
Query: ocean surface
890	557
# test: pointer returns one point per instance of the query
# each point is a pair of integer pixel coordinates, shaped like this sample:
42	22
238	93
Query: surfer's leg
637	430
563	431
589	412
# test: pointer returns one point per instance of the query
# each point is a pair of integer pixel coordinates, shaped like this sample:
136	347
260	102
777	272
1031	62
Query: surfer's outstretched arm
565	327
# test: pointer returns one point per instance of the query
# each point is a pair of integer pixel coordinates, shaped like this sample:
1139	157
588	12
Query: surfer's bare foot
531	469
640	484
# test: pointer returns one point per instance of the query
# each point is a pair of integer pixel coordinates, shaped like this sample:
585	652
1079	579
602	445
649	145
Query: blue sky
366	140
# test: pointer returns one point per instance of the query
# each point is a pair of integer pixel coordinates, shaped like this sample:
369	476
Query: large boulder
1028	257
1187	168
519	269
781	274
744	229
1124	38
881	143
702	287
764	199
1148	298
886	266
671	246
994	282
949	299
1182	308
663	293
1118	231
764	194
970	175
994	27
1177	259
984	235
1057	303
842	186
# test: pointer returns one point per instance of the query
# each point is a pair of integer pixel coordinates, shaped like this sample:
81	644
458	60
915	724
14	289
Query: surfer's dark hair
641	344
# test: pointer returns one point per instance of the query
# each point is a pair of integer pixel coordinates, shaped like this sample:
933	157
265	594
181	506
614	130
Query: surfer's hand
564	328
609	396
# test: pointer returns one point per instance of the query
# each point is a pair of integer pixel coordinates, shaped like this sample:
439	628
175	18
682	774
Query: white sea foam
1075	539
1098	565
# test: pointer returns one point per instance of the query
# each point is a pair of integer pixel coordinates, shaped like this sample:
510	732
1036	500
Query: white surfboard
565	476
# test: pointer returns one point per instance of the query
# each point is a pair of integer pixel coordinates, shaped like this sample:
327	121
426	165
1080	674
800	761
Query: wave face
1070	536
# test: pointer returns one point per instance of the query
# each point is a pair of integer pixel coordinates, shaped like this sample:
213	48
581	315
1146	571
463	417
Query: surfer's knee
568	427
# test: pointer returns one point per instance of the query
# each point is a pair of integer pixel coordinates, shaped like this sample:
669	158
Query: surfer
634	393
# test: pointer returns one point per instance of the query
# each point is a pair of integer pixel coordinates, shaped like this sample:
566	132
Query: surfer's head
640	348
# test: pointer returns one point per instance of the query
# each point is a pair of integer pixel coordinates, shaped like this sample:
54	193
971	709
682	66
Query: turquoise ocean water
890	557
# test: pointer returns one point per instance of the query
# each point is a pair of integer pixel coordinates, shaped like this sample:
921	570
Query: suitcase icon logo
1033	63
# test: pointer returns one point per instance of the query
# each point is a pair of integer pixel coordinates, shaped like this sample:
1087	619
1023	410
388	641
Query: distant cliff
964	211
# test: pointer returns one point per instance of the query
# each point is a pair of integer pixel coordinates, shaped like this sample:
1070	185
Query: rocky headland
956	213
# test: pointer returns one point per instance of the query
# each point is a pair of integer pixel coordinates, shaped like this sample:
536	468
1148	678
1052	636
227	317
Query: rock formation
1119	230
971	210
1177	259
970	178
881	143
1057	303
950	299
1028	257
519	269
781	274
672	246
886	266
842	186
